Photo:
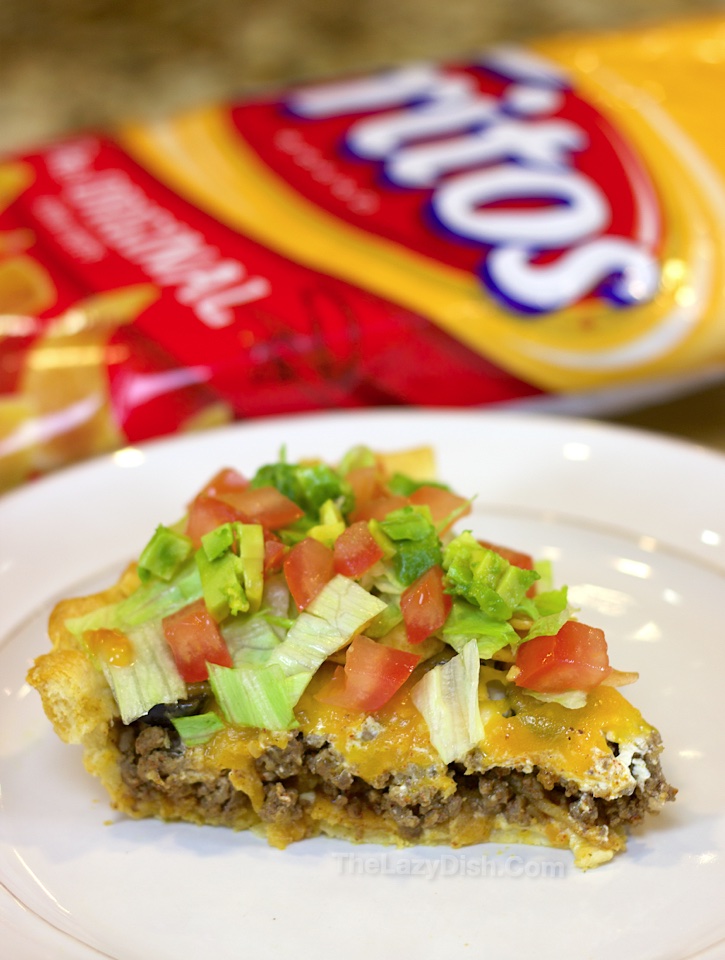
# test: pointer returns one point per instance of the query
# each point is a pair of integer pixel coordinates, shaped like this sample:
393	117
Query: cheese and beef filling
543	774
317	653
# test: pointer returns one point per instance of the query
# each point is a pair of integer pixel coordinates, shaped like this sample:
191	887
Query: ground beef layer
304	788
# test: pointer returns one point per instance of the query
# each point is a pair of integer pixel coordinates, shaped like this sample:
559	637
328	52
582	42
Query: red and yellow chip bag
539	223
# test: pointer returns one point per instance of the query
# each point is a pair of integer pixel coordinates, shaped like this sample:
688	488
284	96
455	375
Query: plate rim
550	420
169	444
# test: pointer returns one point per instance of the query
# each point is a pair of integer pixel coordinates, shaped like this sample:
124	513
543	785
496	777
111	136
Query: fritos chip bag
538	222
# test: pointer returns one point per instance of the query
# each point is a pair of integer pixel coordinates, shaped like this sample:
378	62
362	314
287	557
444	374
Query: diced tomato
307	568
226	481
575	659
425	606
442	503
207	513
265	505
274	551
371	675
523	560
379	508
356	550
195	640
366	484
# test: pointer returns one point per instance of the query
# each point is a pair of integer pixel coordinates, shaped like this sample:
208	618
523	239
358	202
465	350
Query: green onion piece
447	696
218	541
284	623
220	580
253	696
251	556
331	524
382	539
163	554
198	729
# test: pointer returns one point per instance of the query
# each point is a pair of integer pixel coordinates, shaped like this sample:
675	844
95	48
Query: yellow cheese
572	744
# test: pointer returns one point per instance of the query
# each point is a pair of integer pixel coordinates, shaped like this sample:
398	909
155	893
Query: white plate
636	525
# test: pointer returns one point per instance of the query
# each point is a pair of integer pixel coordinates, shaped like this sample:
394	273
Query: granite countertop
88	64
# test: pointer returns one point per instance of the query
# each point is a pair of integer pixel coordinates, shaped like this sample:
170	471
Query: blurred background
74	64
70	65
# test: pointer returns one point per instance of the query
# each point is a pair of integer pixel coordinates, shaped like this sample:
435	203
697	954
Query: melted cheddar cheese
570	744
401	738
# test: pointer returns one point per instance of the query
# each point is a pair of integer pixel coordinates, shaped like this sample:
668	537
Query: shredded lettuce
320	483
339	611
276	596
484	577
447	697
152	601
402	485
384	622
197	729
551	601
547	626
156	600
308	485
250	639
545	571
276	651
282	476
417	547
355	459
251	696
466	622
571	699
548	611
408	523
152	677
